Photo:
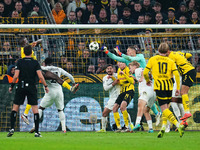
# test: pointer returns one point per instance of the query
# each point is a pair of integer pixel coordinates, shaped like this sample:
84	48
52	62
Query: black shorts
125	96
163	97
30	92
189	78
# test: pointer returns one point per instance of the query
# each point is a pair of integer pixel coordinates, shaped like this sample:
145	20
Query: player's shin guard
169	115
117	119
164	121
154	109
62	120
36	120
28	107
66	85
181	108
13	119
150	125
104	122
176	110
185	100
125	116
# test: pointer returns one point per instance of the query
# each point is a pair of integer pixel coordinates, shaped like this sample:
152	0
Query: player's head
28	50
109	69
121	65
131	51
163	48
133	65
23	41
48	61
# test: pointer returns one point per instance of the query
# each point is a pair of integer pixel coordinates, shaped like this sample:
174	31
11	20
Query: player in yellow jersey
188	73
47	74
162	69
126	81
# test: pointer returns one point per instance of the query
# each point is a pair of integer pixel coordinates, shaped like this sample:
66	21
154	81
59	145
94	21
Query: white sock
104	122
129	119
176	110
138	119
181	108
177	125
62	120
40	113
26	115
149	122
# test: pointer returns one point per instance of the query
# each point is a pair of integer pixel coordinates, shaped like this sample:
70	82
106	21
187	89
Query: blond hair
163	48
134	63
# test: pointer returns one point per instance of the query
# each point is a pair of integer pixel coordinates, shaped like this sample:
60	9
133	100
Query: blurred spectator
120	21
36	8
18	7
92	19
89	10
64	3
182	20
101	65
58	13
126	3
157	9
71	19
171	16
113	19
169	3
27	6
191	7
126	16
69	67
91	69
51	4
103	17
34	14
146	7
102	4
137	11
140	19
80	16
14	14
148	18
194	18
159	18
182	11
2	13
84	61
81	48
75	4
8	7
114	9
8	78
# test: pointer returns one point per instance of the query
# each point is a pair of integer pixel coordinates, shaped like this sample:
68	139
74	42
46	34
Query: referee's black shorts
189	78
163	97
125	96
30	92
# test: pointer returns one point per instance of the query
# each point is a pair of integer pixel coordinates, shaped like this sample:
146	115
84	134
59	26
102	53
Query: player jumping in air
162	69
47	75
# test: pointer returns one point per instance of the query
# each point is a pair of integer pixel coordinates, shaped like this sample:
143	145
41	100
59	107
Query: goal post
70	51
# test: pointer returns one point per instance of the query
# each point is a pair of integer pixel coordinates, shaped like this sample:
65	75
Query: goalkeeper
127	59
47	74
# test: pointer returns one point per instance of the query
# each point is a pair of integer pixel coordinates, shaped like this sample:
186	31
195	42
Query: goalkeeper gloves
104	49
117	50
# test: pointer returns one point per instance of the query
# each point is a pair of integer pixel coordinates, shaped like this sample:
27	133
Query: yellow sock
169	115
164	120
185	100
28	107
117	119
66	85
125	116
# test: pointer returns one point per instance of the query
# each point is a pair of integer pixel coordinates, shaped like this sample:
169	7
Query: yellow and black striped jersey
186	55
162	69
126	82
181	61
23	55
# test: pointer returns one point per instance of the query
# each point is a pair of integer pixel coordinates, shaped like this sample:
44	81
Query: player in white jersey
111	85
146	98
55	94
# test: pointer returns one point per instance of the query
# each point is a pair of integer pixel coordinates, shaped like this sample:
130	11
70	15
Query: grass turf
101	141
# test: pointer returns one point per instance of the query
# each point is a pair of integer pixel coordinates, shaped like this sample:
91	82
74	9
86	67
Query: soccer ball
94	46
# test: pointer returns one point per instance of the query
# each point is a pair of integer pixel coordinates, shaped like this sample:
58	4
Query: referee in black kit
27	70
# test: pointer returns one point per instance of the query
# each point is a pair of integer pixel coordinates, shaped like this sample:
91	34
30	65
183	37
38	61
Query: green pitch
100	141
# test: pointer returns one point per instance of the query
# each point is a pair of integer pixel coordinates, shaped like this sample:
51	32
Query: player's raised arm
65	73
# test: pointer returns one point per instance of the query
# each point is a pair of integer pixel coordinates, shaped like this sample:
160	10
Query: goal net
70	51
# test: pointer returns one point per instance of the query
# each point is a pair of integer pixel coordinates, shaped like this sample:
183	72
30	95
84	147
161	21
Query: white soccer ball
94	46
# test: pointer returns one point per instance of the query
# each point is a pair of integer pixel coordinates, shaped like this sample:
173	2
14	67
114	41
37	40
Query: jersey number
162	68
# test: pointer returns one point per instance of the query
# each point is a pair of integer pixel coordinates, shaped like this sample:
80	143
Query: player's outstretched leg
25	115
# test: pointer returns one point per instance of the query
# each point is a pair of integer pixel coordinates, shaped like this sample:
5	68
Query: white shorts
111	103
56	97
174	88
149	97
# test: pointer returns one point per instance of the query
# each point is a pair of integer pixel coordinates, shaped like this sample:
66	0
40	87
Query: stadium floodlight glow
99	26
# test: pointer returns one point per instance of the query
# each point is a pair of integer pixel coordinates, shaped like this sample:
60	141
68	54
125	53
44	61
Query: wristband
107	51
45	86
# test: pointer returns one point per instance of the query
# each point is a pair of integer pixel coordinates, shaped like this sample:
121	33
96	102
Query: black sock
13	116
36	120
